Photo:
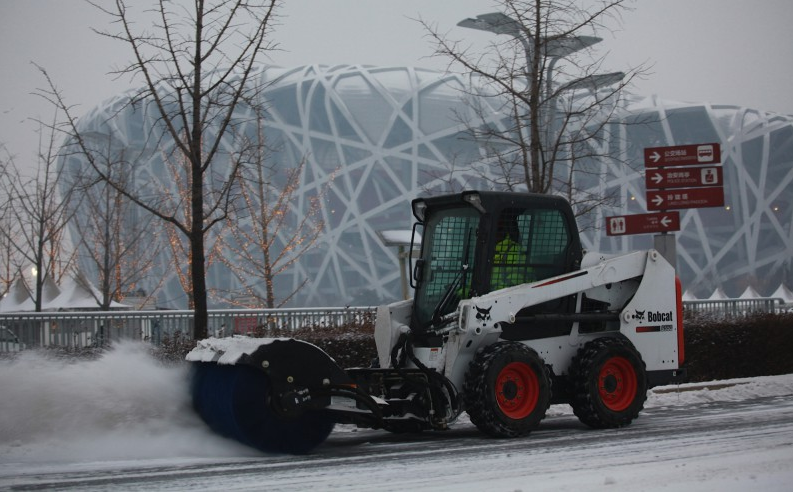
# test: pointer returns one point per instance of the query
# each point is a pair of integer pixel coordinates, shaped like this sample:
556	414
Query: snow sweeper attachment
266	393
508	316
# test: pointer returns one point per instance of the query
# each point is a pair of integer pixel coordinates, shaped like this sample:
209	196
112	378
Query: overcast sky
720	51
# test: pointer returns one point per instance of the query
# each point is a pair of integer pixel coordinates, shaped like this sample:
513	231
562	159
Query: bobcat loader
509	315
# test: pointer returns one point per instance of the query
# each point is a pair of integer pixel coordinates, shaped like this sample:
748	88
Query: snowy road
739	437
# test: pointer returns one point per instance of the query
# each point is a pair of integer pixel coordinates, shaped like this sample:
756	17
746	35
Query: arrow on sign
665	221
657	178
658	200
655	156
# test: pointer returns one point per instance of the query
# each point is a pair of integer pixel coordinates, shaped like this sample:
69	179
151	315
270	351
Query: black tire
609	383
507	390
234	402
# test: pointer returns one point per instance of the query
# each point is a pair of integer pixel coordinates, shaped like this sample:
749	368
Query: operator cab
474	243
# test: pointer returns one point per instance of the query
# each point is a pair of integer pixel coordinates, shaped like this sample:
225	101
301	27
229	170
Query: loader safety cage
535	238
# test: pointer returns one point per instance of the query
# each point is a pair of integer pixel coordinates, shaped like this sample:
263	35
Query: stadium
367	140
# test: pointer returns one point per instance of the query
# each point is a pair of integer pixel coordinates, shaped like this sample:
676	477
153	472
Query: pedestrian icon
617	225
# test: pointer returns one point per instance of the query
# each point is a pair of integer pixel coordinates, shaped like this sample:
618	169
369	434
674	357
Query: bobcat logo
483	314
639	315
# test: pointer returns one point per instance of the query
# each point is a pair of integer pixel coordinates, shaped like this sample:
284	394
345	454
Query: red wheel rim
517	390
617	384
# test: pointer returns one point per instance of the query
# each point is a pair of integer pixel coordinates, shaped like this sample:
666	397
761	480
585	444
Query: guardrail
735	307
96	328
19	331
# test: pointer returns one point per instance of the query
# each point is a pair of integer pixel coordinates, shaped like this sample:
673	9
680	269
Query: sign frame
625	225
683	155
688	177
682	198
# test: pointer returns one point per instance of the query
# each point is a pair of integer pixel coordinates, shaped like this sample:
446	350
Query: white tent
750	293
688	296
784	293
75	293
49	290
718	295
18	299
73	296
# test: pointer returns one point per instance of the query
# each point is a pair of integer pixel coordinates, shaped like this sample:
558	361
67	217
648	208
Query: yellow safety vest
508	265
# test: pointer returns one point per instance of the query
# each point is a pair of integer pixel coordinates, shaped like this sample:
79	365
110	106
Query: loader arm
504	304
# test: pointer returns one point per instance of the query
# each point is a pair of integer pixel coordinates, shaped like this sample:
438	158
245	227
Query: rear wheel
507	390
234	400
610	383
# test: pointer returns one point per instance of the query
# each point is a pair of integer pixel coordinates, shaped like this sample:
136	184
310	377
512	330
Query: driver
509	258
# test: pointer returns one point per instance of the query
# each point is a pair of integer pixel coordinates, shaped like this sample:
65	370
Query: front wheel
609	382
507	390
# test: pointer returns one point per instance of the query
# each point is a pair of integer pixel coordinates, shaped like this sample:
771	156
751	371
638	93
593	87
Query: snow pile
124	405
729	390
699	393
227	350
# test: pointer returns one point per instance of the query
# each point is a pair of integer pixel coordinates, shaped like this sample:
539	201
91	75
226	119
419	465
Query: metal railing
97	328
735	307
19	331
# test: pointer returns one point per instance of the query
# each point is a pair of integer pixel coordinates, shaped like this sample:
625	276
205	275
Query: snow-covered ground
124	421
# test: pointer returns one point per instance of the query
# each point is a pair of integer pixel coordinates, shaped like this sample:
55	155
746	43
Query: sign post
678	177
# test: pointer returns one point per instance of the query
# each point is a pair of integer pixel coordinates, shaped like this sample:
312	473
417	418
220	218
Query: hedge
756	345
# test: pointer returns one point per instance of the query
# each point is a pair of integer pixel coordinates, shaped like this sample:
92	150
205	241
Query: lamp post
555	48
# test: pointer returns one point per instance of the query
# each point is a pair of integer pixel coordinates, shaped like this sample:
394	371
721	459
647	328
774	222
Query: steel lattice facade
374	138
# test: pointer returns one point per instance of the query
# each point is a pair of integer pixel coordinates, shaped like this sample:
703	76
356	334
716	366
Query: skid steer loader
509	315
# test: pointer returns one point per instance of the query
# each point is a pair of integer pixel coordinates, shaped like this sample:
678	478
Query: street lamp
592	82
495	22
555	48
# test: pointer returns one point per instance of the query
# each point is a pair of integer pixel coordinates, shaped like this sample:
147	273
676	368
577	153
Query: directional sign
683	177
682	155
685	198
642	223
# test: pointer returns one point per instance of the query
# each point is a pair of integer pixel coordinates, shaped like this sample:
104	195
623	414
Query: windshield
445	269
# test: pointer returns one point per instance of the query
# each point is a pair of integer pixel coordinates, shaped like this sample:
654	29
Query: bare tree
118	239
10	260
263	237
196	64
40	212
541	75
178	244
